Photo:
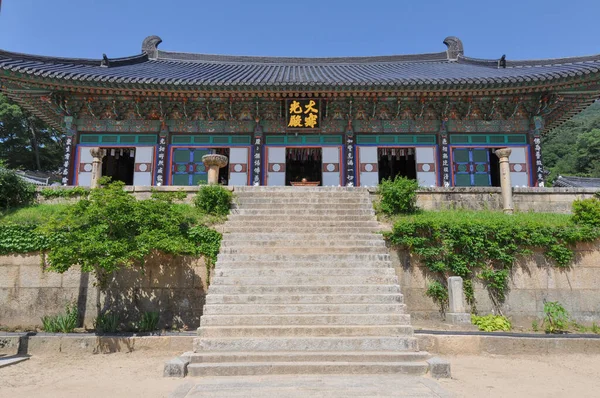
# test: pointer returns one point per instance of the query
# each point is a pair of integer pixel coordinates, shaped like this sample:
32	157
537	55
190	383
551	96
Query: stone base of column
458	318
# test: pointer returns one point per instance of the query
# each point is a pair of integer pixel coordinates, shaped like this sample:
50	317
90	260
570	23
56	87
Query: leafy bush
62	323
214	199
556	317
52	193
106	323
15	238
149	322
14	191
439	294
587	212
485	244
398	196
168	196
491	323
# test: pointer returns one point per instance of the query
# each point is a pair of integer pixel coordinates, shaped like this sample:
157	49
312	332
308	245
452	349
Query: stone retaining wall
174	287
552	200
532	281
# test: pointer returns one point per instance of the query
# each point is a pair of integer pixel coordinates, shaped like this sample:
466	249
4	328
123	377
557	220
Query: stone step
303	331
306	211
307	344
250	228
306	201
314	309
309	258
303	236
270	205
304	319
265	299
322	219
248	271
284	242
233	263
303	250
299	191
258	368
309	280
302	356
314	289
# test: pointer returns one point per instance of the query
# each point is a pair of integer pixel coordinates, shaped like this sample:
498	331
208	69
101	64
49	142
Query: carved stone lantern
213	163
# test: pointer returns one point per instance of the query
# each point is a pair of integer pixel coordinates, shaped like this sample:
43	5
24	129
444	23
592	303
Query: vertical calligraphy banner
256	159
445	155
161	159
538	166
68	155
350	165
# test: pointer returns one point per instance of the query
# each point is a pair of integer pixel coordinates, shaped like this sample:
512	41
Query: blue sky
87	28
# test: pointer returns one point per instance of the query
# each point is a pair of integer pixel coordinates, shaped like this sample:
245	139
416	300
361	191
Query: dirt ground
139	374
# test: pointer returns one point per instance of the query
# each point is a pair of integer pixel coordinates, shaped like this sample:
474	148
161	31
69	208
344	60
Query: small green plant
595	328
534	325
106	323
214	199
62	323
149	322
52	193
439	294
169	196
491	323
587	212
398	196
556	317
14	191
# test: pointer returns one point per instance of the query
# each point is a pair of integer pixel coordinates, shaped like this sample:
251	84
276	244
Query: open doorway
119	164
303	163
494	168
394	162
223	171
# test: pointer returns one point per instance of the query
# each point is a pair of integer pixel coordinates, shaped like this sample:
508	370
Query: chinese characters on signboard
257	159
539	167
303	114
349	159
160	161
67	161
445	161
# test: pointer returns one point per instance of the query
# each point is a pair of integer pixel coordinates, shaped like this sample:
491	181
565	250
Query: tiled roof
437	70
577	182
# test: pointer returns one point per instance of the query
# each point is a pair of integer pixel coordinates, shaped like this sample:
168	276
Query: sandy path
139	374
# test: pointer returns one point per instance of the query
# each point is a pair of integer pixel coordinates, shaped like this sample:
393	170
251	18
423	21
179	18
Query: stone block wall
174	287
533	280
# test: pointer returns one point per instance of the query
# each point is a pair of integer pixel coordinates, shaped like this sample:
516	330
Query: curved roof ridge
251	59
73	61
530	62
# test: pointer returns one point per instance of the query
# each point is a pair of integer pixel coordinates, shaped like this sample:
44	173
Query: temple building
350	121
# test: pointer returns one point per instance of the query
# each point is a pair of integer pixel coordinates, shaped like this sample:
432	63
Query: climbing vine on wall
486	245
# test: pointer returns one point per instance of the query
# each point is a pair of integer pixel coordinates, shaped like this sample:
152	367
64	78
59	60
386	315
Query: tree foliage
574	148
26	142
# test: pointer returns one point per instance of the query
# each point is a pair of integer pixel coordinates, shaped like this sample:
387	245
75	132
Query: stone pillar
97	155
507	199
213	163
457	312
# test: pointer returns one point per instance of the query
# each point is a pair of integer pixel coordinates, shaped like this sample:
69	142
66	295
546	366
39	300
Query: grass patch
32	215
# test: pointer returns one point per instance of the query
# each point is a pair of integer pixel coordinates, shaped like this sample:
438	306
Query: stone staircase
303	284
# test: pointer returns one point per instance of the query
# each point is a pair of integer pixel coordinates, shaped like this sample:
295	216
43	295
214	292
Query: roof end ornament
150	46
455	47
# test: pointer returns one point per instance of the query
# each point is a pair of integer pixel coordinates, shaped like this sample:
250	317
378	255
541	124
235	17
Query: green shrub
439	294
149	322
52	193
14	191
169	196
62	323
491	323
587	212
106	323
556	317
214	199
398	196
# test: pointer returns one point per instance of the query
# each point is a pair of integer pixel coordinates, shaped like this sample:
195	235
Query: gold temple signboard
303	114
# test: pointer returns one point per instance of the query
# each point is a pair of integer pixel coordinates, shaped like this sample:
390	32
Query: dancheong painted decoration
436	117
